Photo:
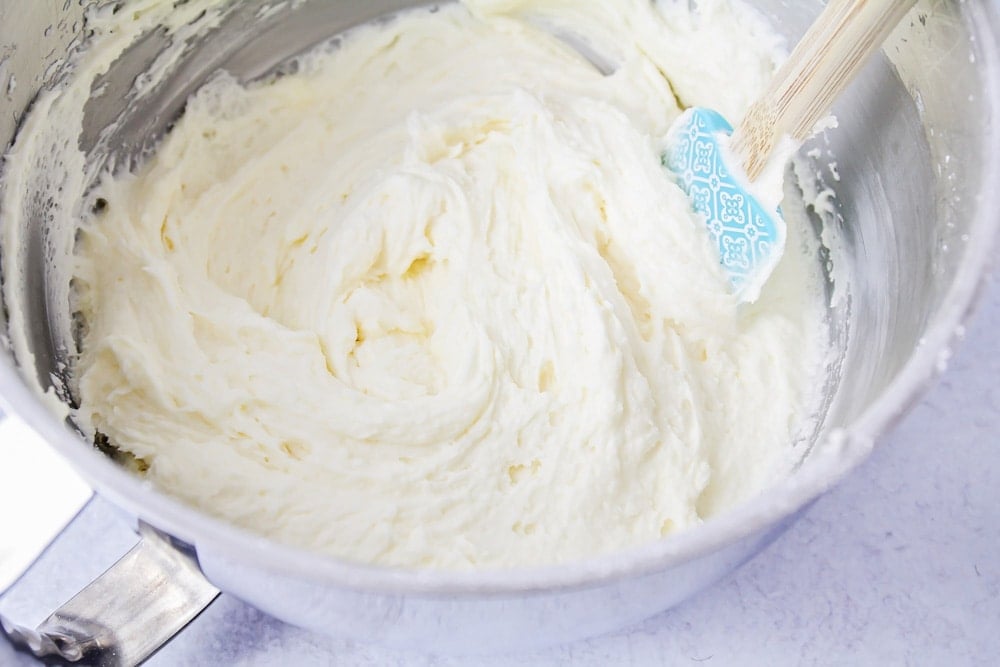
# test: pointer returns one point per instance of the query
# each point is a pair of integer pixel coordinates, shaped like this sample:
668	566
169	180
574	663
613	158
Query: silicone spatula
718	167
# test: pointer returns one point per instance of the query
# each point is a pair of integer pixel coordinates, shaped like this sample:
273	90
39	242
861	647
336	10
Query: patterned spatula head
750	238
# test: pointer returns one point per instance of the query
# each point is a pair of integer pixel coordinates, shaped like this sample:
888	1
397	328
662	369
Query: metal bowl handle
127	613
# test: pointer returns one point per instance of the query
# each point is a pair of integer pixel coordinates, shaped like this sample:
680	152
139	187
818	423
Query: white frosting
434	301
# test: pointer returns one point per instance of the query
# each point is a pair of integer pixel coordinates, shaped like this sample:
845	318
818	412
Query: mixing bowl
914	164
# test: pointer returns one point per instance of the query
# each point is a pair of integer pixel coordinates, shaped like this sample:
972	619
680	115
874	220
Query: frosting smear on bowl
431	300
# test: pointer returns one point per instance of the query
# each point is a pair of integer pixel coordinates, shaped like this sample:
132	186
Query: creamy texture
432	300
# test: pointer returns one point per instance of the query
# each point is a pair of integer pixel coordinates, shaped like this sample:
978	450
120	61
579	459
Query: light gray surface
898	565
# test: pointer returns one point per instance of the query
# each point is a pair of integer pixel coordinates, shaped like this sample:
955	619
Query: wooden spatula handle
827	58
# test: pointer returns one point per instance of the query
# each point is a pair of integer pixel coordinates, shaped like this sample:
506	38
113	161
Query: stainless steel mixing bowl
917	175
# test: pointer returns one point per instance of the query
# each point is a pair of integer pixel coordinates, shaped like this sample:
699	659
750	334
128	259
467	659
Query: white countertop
900	564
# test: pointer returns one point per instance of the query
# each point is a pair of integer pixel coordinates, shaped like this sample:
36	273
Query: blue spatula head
750	238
